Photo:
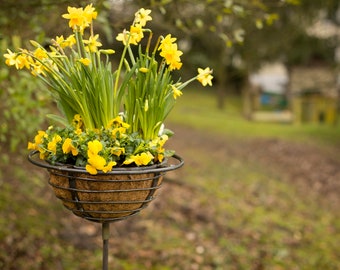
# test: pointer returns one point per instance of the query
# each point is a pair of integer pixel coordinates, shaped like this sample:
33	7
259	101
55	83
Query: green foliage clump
22	108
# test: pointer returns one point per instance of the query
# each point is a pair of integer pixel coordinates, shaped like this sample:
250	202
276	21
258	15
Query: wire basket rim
162	167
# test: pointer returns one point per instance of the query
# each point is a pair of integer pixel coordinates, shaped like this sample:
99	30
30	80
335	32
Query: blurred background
260	188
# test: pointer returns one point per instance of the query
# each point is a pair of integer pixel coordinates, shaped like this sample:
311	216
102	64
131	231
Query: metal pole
105	237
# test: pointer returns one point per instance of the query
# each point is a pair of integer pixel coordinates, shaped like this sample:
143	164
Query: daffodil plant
111	116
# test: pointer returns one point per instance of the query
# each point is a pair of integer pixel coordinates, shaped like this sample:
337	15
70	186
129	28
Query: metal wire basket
106	197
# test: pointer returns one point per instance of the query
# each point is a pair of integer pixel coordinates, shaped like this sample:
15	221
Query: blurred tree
217	28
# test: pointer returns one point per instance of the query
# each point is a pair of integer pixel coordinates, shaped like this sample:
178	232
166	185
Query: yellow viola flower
77	122
38	138
118	151
204	76
109	166
94	147
68	147
90	169
140	159
97	161
117	122
142	16
32	146
176	92
119	130
52	145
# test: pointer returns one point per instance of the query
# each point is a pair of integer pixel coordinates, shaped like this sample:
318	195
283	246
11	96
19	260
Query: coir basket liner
110	196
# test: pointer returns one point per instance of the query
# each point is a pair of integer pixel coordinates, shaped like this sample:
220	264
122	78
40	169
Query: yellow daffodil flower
172	56
10	58
204	76
176	92
142	16
40	54
85	61
80	18
92	44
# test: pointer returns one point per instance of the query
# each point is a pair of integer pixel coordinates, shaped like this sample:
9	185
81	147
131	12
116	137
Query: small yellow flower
142	16
204	76
176	92
77	122
133	37
22	61
68	147
94	147
172	56
92	44
39	136
80	18
97	162
70	41
10	58
140	159
90	13
76	17
109	166
146	106
85	61
40	54
136	33
90	169
52	145
167	41
143	69
117	151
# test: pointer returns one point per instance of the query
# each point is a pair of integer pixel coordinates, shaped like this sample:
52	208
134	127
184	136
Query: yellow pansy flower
140	159
68	147
90	169
52	145
94	147
109	166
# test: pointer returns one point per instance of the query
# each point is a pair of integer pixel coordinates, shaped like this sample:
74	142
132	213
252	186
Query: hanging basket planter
106	197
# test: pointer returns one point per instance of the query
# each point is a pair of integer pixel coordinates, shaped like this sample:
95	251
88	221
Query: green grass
197	108
225	213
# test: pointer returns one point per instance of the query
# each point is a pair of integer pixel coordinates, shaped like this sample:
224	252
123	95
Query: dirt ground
308	167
